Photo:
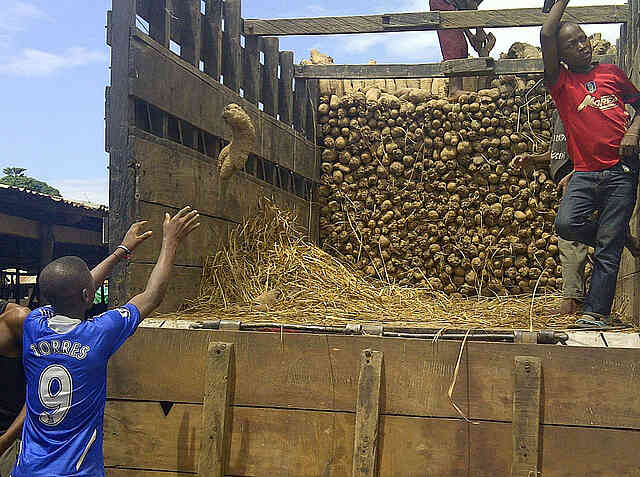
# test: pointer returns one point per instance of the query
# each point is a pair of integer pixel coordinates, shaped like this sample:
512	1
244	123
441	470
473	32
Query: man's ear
86	295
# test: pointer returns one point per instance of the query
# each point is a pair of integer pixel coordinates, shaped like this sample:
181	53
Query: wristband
127	252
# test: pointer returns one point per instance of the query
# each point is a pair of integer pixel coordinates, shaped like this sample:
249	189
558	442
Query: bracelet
127	252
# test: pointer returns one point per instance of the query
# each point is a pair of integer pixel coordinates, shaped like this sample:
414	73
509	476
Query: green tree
14	176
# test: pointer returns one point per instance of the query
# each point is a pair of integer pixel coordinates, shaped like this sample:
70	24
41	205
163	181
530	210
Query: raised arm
174	230
549	42
13	432
131	240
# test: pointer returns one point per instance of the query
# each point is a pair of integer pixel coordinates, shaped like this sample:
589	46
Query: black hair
62	281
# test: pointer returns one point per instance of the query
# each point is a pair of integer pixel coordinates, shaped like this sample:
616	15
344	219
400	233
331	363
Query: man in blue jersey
65	359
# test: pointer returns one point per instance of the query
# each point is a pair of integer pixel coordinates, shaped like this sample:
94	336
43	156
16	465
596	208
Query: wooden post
191	32
526	416
216	411
270	75
367	413
212	41
252	77
313	88
285	87
300	105
232	63
160	22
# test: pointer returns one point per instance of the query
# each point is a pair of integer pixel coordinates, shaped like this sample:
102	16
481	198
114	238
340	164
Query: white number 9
60	399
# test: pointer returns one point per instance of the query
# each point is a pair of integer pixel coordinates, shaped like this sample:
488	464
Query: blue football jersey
65	363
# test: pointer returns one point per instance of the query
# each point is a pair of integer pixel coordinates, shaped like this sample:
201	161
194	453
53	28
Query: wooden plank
573	376
191	31
270	75
285	85
526	416
313	89
365	450
160	21
216	413
470	66
292	371
165	166
212	39
300	105
64	234
252	79
264	442
115	472
19	226
420	21
174	86
232	59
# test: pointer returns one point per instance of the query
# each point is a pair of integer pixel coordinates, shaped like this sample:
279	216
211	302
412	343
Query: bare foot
569	306
632	244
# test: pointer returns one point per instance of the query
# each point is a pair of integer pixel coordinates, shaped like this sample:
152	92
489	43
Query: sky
54	67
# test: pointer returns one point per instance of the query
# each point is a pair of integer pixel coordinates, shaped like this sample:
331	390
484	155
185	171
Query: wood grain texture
231	46
212	39
216	411
526	416
171	84
252	80
270	75
300	105
191	31
365	450
285	87
115	472
519	17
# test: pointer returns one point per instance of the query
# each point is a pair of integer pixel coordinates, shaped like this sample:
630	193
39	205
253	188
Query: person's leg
618	194
573	257
8	459
574	221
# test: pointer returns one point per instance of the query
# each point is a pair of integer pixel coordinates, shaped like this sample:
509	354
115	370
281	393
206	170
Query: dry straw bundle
269	271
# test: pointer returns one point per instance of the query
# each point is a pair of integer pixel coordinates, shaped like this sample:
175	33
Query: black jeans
612	193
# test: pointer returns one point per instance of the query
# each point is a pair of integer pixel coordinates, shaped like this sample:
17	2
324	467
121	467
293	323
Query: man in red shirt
603	146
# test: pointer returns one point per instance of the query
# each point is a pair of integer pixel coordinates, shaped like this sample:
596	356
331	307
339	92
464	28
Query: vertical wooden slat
313	88
367	413
232	58
252	84
271	47
300	105
526	416
212	39
160	21
216	436
191	32
285	87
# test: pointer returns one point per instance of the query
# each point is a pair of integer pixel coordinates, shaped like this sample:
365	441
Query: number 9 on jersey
55	390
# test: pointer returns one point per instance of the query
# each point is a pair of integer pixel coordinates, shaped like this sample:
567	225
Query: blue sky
54	69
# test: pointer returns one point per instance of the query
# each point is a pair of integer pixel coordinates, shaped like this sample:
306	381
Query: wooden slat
191	32
114	472
216	411
160	21
270	75
520	17
471	66
313	92
232	58
174	86
285	86
526	416
365	450
300	105
64	234
252	81
212	39
19	226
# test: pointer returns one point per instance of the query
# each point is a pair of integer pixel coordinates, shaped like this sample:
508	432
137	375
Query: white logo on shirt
603	104
124	312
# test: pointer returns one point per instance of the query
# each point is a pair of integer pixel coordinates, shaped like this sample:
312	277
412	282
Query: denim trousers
573	257
612	193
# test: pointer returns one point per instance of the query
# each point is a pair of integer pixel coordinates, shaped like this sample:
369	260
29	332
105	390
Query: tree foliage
14	176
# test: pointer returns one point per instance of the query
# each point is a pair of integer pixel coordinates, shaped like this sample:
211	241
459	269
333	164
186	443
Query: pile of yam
420	190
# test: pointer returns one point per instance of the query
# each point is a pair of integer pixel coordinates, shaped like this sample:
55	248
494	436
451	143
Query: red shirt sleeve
628	92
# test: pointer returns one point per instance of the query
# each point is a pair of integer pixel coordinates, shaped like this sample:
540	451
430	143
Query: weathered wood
270	75
47	244
114	472
526	416
168	82
212	39
517	17
300	105
191	31
471	66
285	87
64	234
252	83
313	91
216	412
231	46
160	21
365	450
19	226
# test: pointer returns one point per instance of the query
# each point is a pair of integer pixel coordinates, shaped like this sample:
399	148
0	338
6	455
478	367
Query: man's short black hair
62	281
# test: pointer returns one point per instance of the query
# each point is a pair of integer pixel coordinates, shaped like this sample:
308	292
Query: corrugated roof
56	200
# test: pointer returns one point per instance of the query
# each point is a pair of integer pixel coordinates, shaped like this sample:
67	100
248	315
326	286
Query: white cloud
95	191
14	19
32	62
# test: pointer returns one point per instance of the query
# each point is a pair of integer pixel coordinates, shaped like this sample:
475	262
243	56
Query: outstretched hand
133	237
564	182
176	228
521	160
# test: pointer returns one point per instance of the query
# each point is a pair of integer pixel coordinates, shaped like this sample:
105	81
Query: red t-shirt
591	106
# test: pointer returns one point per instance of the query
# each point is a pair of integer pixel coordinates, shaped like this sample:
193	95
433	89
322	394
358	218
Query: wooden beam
300	105
270	75
64	234
216	423
420	21
285	93
212	39
252	83
19	226
526	416
365	449
232	58
463	67
191	31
